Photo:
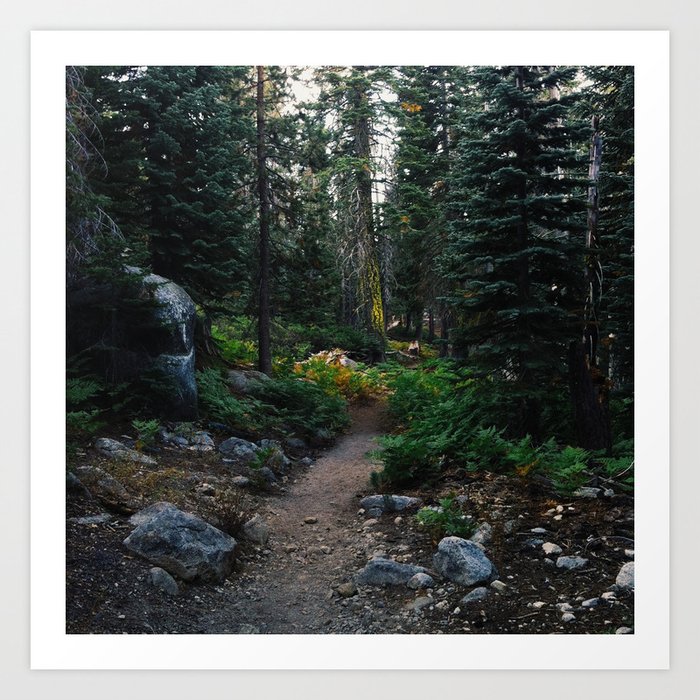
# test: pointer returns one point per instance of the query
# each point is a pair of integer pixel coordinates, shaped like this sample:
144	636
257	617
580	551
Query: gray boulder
160	340
184	545
463	562
390	504
625	579
150	512
386	572
238	449
117	450
246	381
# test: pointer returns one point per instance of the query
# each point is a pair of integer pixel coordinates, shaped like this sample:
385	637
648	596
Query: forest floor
320	538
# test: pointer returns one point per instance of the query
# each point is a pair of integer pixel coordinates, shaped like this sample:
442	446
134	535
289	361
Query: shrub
446	520
146	431
217	402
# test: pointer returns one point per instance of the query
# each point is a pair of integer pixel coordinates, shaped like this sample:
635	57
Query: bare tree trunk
264	348
589	387
431	325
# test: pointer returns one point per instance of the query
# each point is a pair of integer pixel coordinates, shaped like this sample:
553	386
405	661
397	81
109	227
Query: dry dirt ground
290	585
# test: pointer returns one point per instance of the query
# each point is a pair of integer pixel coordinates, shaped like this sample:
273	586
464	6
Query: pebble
538	531
310	520
398	520
571	563
590	603
476	595
421	580
498	586
420	603
624	630
456	611
629	553
367	524
608	595
538	604
347	590
551	548
568	617
564	607
289	548
558	517
442	605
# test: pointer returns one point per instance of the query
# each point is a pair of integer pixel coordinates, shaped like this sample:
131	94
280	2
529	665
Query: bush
446	520
217	402
352	383
146	431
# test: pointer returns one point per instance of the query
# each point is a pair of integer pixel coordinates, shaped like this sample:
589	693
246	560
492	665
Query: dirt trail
288	589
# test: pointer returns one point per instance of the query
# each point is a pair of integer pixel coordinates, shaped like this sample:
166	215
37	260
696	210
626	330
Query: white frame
52	648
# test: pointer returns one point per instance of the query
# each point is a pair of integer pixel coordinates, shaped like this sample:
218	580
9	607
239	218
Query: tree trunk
431	325
589	386
264	348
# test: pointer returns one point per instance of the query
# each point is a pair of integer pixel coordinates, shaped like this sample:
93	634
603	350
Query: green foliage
217	402
566	467
303	406
287	405
446	520
146	431
83	416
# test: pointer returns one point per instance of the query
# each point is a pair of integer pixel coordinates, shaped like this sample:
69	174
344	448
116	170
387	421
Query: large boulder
183	544
150	332
463	562
384	572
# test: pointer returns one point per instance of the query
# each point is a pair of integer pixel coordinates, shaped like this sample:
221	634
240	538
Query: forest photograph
349	349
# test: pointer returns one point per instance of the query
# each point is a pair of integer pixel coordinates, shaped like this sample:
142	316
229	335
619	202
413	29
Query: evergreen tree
352	96
517	217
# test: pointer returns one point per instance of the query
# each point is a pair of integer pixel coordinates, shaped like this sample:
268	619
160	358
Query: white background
14	258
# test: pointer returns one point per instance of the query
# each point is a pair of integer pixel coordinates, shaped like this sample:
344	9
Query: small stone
248	629
325	549
483	534
498	586
310	520
587	492
456	611
629	553
533	543
92	519
538	531
420	603
421	580
551	548
538	604
625	579
608	493
558	517
624	630
256	530
240	481
398	520
608	595
510	526
347	590
368	523
564	607
560	509
590	603
478	594
289	548
442	605
571	563
568	617
162	580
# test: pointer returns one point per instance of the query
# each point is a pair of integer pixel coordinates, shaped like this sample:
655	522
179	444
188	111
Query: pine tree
517	217
352	97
